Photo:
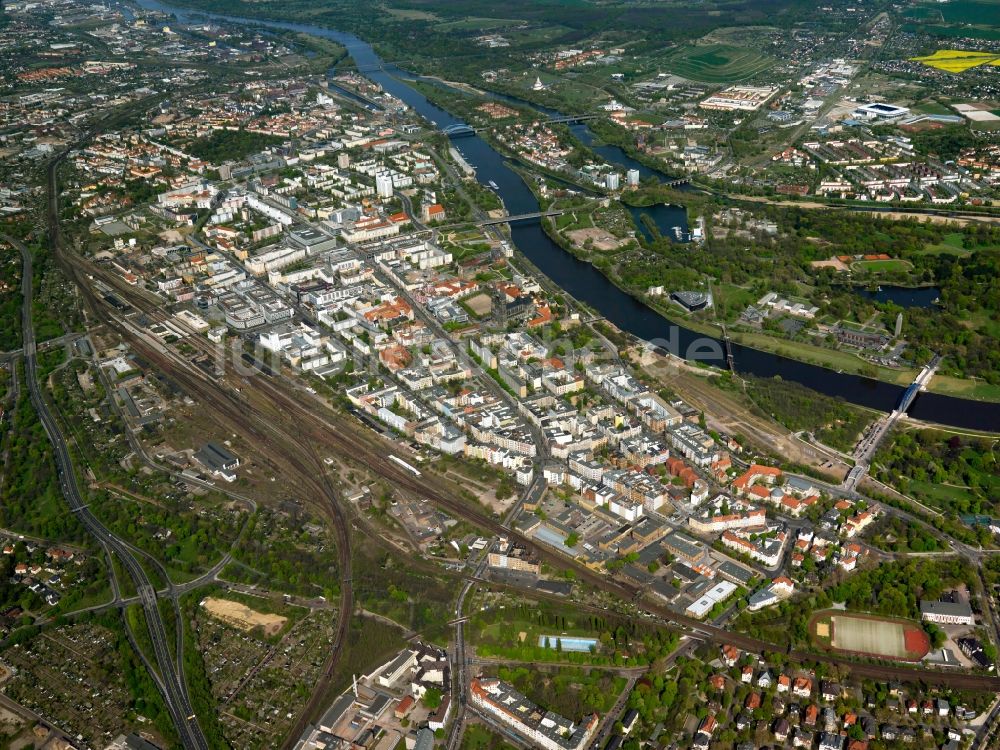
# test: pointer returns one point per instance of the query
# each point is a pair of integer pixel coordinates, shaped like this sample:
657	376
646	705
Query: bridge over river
869	444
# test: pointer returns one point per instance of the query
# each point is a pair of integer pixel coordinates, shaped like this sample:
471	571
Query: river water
584	282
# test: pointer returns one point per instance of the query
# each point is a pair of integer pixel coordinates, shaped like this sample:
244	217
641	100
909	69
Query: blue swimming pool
568	643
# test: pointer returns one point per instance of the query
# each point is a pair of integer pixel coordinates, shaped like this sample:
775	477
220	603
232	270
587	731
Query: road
607	725
328	431
169	680
263	399
872	439
461	661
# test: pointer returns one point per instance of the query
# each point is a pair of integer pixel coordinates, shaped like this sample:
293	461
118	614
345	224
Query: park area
869	635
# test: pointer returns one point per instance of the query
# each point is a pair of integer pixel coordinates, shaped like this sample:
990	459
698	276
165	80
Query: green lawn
883	266
575	220
830	358
477	24
731	300
718	63
478	737
964	388
951	245
938	495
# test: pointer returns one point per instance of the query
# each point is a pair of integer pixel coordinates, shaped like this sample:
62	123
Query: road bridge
520	217
870	443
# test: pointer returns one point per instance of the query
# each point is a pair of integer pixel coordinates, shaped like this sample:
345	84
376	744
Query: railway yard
300	449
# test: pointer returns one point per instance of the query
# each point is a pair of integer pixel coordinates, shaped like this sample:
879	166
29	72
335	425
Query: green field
883	266
978	19
478	24
718	63
952	32
923	14
977	390
971	11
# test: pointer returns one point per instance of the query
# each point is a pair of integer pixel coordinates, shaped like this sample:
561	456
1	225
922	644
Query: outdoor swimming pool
568	642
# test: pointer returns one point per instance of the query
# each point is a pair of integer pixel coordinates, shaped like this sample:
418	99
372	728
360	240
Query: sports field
870	635
886	266
718	63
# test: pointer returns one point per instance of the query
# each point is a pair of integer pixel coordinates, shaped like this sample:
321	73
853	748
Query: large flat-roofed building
739	98
544	729
217	459
312	240
718	593
692	301
947	613
394	670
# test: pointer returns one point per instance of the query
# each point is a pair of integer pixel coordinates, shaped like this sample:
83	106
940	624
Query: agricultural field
958	61
718	63
977	19
953	32
870	635
984	12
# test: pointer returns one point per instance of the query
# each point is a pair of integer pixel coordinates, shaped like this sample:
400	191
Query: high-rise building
632	177
383	185
899	324
343	160
612	181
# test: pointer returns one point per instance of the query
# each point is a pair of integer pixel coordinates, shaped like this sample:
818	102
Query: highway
169	681
308	427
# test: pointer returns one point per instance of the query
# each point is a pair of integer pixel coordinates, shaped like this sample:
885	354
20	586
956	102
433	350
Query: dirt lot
480	304
833	263
242	617
602	239
729	413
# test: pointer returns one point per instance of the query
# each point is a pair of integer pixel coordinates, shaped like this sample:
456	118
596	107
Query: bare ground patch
601	239
240	616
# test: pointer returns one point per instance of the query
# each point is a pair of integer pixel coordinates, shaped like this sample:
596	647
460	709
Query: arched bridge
459	130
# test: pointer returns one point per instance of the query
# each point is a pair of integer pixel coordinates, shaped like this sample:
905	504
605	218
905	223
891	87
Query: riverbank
587	283
830	359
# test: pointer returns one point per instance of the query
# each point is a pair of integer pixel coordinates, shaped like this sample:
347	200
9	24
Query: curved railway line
330	507
271	427
290	431
334	432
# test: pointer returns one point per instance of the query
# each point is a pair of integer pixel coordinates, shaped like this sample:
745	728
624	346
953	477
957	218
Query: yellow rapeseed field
958	60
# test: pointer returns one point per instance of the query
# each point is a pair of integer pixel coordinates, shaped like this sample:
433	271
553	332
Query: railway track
260	427
263	395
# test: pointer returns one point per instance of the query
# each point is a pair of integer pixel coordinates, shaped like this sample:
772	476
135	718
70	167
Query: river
586	283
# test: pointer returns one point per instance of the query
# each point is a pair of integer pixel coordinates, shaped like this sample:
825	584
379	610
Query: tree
432	698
